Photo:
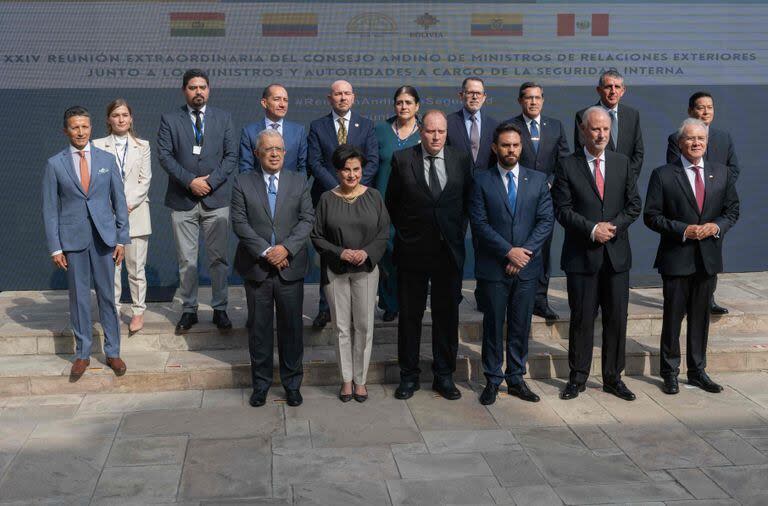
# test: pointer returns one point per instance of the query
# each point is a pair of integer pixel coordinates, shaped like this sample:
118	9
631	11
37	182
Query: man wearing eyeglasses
471	130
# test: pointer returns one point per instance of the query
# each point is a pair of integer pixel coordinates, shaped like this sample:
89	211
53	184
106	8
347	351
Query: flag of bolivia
197	24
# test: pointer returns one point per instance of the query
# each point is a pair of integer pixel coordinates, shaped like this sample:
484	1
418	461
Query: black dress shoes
704	382
715	308
186	321
522	391
360	397
258	398
620	390
671	386
545	312
293	398
221	319
447	388
488	396
344	397
405	389
571	390
389	316
321	320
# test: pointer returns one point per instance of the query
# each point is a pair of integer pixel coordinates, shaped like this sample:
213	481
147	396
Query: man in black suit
197	148
626	137
272	215
341	126
691	203
427	202
720	149
544	144
469	129
595	198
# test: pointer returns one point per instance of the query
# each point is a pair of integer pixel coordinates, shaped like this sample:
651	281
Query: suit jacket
136	178
670	206
67	209
458	138
295	139
630	137
719	150
553	145
217	159
498	228
322	141
253	224
421	223
578	208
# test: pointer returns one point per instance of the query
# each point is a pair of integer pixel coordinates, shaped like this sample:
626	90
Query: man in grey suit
197	148
86	227
272	215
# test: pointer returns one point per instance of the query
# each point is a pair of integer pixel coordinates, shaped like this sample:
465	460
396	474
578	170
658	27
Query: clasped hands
699	232
604	232
200	187
517	258
277	256
354	256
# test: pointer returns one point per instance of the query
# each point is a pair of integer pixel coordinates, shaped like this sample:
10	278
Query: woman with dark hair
133	159
398	132
351	232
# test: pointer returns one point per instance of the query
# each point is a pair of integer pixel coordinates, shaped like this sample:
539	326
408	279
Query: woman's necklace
401	142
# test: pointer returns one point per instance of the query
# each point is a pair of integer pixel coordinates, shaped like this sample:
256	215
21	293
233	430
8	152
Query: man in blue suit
197	148
544	145
86	226
469	129
325	134
274	100
510	210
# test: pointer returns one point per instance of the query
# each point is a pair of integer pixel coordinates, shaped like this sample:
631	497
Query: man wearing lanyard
198	150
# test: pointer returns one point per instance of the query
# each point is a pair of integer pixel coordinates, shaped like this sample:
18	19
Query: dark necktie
434	182
614	128
699	185
272	195
511	191
274	126
341	135
535	136
198	128
474	137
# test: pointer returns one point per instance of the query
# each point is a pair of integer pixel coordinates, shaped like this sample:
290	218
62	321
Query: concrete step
211	369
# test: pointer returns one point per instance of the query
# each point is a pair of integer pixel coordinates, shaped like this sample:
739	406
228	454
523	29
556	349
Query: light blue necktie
535	135
272	194
511	191
614	128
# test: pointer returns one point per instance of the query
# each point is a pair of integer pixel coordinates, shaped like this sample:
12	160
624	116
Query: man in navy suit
469	129
626	136
325	134
544	144
197	148
274	100
86	227
720	150
510	210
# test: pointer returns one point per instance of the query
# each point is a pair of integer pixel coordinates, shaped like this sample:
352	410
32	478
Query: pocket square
103	170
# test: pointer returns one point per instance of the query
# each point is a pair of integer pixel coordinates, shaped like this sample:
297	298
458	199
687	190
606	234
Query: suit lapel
353	129
131	156
261	192
283	189
330	128
499	184
69	167
417	166
187	126
588	175
685	185
463	129
527	142
710	179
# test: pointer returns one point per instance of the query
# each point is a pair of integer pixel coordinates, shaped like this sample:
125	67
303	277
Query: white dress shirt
691	175
591	162
268	125
528	123
468	122
442	176
347	119
192	117
266	175
515	174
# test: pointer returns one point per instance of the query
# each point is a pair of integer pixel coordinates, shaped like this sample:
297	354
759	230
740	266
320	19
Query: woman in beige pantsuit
351	232
133	159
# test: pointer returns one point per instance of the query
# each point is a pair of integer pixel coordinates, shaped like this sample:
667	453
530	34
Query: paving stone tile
447	466
468	441
362	493
583	410
69	472
225	398
137	485
52	501
432	412
741	482
42	400
511	412
535	495
659	475
474	491
78	428
148	451
759	432
759	443
265	501
583	466
33	414
674	446
408	448
205	423
641	411
501	496
549	438
593	437
326	465
514	468
701	410
705	502
381	420
120	403
227	468
626	493
756	500
698	484
42	365
297	427
735	449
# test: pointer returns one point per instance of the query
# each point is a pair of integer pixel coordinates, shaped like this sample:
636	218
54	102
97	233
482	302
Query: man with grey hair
595	199
691	203
272	215
626	137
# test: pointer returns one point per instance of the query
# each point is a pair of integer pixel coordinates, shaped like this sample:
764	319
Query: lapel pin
525	179
103	170
711	176
357	125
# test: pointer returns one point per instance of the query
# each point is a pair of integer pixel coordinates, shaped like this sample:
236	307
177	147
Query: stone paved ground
209	447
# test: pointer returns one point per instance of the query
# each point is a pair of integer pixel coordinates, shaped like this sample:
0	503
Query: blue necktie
535	136
511	191
272	194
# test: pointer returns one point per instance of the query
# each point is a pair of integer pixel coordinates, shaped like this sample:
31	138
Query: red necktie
699	185
85	176
599	181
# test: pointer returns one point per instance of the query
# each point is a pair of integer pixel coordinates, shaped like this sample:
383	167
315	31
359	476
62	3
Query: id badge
196	150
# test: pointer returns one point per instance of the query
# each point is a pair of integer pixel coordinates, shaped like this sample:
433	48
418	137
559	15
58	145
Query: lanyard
199	135
121	163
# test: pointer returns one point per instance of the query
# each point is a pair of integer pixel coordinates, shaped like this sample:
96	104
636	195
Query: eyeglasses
274	149
474	93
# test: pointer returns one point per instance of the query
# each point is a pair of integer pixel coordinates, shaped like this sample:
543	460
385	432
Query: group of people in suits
387	209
